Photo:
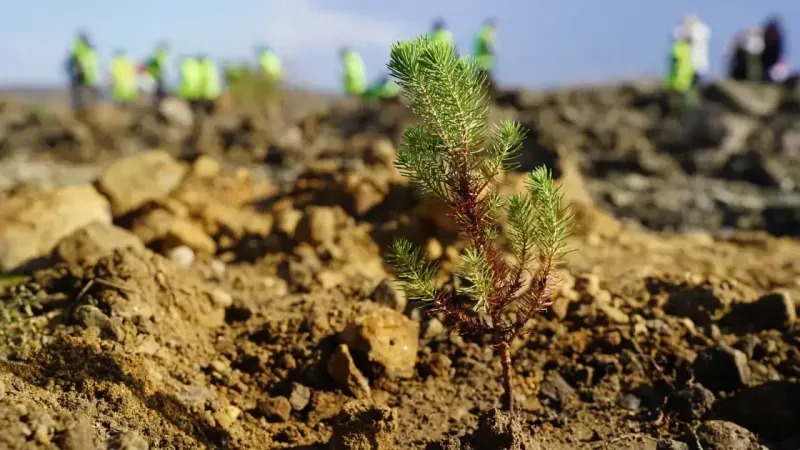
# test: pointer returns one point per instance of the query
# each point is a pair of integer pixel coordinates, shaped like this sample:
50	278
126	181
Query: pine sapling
450	156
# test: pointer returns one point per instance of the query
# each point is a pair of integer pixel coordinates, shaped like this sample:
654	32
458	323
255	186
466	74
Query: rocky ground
184	282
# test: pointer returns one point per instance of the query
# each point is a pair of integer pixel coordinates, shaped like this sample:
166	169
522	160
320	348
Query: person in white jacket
699	34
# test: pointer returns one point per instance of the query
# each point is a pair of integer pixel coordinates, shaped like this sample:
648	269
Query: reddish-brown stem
507	400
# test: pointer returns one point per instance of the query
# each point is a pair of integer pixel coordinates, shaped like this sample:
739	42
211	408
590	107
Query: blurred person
773	52
191	81
484	50
382	89
270	65
354	78
699	35
680	76
440	33
83	71
210	86
156	67
124	80
744	53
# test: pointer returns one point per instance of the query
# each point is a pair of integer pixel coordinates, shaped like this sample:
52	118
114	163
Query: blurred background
539	43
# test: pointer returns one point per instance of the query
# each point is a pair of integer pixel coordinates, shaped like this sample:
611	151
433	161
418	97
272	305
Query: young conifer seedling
450	156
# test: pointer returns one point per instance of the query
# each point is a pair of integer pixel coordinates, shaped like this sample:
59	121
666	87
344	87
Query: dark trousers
161	90
490	82
82	95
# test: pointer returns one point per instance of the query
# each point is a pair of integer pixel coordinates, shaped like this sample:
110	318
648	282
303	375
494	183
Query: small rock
614	314
221	298
556	390
629	402
227	416
388	339
33	220
560	307
700	304
190	234
299	396
317	226
433	249
93	241
128	440
722	435
691	403
362	425
181	255
588	283
772	311
343	370
217	268
387	294
275	409
432	328
206	167
176	112
79	435
91	316
286	220
42	434
143	177
722	368
382	152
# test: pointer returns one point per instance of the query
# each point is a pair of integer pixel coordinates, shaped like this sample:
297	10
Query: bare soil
280	330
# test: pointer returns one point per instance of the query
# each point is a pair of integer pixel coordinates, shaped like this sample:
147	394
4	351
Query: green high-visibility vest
441	35
355	74
484	55
681	74
271	65
124	84
156	64
86	58
191	79
210	83
382	89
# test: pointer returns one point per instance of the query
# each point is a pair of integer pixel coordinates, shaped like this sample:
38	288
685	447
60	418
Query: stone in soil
691	403
33	220
133	181
722	368
275	409
343	370
387	338
775	310
503	431
299	396
722	435
363	425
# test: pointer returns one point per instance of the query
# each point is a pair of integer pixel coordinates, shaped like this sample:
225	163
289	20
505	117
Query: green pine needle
452	156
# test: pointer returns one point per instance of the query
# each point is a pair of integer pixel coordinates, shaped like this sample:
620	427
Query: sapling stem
507	400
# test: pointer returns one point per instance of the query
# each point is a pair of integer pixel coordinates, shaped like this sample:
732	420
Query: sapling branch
451	156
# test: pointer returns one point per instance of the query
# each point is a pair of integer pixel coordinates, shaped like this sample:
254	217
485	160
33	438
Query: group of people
354	76
756	54
200	81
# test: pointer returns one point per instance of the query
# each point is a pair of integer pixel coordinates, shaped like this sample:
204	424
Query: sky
541	43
